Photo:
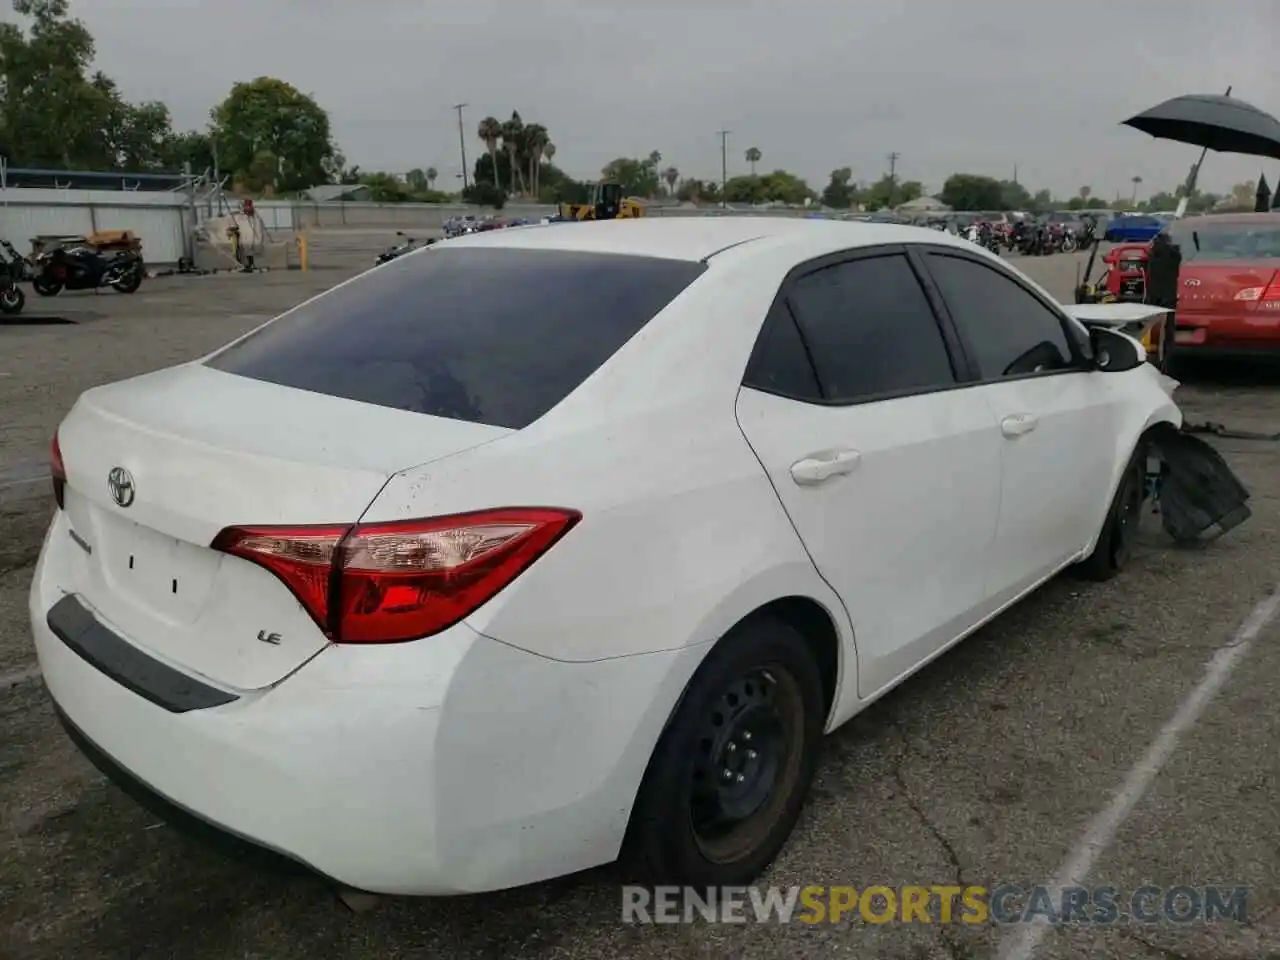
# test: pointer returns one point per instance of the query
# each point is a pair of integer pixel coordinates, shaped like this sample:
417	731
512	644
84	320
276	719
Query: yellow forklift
607	203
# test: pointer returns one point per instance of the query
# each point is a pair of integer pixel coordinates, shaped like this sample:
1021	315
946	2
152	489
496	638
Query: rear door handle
1017	424
819	467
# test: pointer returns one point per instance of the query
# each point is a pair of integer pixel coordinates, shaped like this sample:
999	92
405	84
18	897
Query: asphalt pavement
1077	731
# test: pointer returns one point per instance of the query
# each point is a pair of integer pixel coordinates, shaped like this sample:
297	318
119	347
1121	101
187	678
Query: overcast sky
977	86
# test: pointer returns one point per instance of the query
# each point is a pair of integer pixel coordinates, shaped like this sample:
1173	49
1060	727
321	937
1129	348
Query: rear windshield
490	335
1207	242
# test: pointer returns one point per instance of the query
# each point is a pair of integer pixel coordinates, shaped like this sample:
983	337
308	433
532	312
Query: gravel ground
984	769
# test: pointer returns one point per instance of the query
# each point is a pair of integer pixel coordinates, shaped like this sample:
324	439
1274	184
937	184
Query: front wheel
130	282
12	299
726	782
45	287
1120	528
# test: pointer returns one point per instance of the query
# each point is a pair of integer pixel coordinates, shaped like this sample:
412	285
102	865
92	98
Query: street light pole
724	165
462	145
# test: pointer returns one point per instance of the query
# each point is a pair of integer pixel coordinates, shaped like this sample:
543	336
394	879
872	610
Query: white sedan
543	546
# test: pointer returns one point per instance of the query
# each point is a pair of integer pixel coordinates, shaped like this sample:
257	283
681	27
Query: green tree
416	179
387	188
753	156
270	116
533	148
432	174
192	147
1014	196
490	131
671	175
1042	202
484	194
839	193
971	191
512	135
638	178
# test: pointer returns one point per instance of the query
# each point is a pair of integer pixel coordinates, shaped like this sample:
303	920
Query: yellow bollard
301	240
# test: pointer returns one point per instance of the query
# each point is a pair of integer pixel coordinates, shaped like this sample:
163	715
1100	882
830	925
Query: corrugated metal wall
163	227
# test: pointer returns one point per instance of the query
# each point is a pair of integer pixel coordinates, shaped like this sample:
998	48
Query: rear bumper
455	764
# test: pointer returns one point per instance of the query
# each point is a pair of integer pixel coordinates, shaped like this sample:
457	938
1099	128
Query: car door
1057	417
887	467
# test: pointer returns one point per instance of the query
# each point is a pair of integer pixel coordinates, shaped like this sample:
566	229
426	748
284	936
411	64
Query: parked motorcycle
12	272
84	267
400	249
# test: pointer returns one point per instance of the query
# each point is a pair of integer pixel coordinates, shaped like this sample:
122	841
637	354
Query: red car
1228	285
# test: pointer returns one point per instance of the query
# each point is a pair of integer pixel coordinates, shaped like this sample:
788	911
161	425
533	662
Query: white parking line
1021	944
8	680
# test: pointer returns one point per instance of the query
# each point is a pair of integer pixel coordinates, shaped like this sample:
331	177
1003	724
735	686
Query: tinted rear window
490	335
1226	241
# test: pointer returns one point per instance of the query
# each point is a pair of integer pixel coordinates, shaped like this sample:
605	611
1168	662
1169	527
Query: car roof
700	238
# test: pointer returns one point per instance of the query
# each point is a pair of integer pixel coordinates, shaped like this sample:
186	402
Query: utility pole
893	175
462	145
1015	174
724	165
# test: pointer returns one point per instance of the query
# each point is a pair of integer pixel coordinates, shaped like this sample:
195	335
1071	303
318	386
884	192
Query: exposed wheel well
814	623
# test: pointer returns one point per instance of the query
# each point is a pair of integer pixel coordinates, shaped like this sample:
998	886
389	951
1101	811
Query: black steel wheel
727	780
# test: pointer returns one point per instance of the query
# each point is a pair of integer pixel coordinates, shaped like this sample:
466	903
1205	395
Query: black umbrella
1215	122
1262	199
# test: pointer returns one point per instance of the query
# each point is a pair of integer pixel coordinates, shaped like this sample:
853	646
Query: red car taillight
391	582
1268	294
58	472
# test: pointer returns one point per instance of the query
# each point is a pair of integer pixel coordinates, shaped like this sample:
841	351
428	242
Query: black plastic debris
1200	497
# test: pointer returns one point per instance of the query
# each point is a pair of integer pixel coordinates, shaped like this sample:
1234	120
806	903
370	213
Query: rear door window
490	335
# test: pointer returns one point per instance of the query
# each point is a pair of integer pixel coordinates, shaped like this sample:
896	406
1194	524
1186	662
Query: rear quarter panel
682	534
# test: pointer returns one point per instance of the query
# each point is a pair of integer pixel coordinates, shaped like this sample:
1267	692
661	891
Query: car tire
1120	528
728	778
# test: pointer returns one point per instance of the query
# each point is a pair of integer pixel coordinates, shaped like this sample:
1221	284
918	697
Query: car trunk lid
194	451
1233	287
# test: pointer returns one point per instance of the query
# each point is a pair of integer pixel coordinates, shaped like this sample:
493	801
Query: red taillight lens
1268	294
391	582
58	472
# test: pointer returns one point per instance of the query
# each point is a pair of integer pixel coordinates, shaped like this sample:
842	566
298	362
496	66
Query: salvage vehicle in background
1131	229
1228	285
581	554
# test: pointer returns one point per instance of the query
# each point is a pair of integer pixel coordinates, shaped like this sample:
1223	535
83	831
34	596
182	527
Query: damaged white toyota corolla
546	545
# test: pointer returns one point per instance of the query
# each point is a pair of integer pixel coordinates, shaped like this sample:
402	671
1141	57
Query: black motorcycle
12	272
84	268
400	249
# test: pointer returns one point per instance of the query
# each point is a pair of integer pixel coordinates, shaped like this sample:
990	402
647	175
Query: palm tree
1136	181
535	145
655	158
1085	192
432	173
490	132
671	175
549	152
753	156
512	137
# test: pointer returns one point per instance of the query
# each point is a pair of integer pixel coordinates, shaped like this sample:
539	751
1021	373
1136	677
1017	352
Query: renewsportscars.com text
935	903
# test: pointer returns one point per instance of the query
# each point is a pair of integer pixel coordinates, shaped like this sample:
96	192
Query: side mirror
1115	352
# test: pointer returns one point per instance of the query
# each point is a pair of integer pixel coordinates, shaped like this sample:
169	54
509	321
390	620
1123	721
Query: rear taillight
1268	294
58	472
391	582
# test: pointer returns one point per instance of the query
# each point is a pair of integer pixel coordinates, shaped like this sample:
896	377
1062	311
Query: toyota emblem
120	483
1193	282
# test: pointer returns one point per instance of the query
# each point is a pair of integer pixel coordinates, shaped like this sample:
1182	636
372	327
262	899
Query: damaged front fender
1199	496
